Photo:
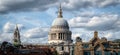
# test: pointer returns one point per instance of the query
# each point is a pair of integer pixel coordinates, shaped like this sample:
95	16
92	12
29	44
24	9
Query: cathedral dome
60	22
59	31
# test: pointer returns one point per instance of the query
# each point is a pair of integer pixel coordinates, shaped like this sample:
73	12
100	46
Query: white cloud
108	35
8	30
78	22
87	13
106	24
75	35
112	35
35	40
101	22
97	20
10	27
36	33
6	37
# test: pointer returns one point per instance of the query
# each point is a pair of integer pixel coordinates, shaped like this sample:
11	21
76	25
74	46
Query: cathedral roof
59	21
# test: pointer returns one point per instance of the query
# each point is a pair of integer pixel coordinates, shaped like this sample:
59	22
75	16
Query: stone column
57	36
103	52
62	35
92	52
65	36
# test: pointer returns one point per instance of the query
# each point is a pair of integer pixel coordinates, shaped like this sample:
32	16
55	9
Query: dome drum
67	32
64	27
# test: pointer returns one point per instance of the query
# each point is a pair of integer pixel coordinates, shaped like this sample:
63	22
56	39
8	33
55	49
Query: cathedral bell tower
16	39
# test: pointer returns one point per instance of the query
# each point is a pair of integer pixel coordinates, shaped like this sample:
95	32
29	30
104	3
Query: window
98	53
87	53
62	47
86	45
107	52
106	45
118	52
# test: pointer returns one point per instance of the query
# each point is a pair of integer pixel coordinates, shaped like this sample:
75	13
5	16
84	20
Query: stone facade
96	46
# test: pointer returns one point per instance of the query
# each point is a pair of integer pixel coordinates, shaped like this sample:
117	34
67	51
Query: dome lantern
60	12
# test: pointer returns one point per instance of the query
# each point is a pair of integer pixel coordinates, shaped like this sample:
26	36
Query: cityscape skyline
34	18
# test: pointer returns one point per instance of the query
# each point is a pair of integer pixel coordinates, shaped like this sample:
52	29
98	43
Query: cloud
34	40
41	5
36	33
108	35
8	30
112	35
78	22
6	37
102	22
33	35
79	4
24	5
87	13
10	27
107	25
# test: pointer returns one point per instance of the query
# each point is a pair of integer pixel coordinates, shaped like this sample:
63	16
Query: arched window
62	48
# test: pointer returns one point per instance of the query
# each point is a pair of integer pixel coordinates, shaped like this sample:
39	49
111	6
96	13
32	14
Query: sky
34	18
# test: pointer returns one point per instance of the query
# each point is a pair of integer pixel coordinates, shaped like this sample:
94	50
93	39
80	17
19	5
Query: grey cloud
24	5
40	5
79	4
